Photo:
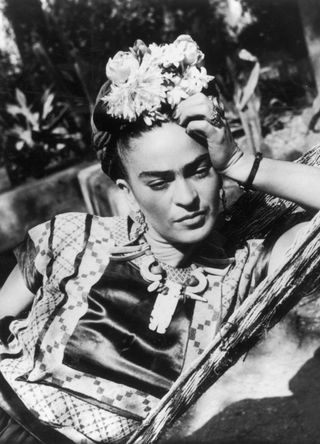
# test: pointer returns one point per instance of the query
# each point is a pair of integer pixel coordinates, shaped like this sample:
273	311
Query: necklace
172	285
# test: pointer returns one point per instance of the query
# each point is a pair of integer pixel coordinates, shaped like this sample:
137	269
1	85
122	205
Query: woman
109	311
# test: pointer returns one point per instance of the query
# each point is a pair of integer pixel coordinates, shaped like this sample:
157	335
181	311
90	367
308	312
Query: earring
223	198
140	220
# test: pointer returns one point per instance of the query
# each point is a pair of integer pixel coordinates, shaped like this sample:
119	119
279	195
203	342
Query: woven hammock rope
269	302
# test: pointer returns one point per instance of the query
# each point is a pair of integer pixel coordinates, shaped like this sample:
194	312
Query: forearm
14	295
292	181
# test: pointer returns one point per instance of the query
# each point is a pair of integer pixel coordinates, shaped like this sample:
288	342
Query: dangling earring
140	220
223	198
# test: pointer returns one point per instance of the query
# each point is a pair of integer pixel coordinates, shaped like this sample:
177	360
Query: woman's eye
160	185
202	172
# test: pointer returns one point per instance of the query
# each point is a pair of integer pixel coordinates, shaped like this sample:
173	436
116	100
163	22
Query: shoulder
69	228
281	246
70	237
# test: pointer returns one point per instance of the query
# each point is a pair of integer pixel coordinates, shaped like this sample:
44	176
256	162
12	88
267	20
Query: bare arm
14	295
292	181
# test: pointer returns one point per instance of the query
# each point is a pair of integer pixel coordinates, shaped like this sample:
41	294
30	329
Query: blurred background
265	55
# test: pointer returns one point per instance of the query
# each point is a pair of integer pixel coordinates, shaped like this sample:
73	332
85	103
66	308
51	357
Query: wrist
245	170
232	162
253	172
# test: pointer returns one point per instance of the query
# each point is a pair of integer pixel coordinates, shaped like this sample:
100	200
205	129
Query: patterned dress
83	359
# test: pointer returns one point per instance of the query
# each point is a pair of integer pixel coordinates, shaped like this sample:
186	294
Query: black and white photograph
159	221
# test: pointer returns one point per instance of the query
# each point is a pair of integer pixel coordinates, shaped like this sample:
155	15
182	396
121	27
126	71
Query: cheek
151	203
208	190
154	206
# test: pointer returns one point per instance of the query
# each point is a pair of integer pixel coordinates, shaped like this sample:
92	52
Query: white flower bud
121	66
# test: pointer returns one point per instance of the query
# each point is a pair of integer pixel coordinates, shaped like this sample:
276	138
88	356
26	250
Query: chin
193	235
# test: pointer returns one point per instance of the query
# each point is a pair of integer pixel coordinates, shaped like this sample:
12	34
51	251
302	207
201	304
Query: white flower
184	38
156	52
167	73
172	56
176	95
139	49
142	93
195	80
121	66
190	49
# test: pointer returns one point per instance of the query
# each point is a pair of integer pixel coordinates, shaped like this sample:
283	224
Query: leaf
16	130
59	130
47	106
26	136
45	95
21	98
14	109
244	54
23	109
32	118
250	86
35	121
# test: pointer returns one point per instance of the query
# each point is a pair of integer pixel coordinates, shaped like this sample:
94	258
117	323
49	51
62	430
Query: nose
185	195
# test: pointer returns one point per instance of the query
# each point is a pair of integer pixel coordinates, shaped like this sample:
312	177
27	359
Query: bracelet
248	184
234	159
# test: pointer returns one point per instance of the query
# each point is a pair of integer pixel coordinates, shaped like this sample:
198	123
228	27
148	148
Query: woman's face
172	181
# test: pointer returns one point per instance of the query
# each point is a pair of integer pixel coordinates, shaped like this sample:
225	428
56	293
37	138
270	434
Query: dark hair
113	137
111	147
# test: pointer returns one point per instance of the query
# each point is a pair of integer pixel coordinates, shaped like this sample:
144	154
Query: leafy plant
40	135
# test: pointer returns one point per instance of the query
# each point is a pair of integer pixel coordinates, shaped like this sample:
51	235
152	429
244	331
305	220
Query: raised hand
203	119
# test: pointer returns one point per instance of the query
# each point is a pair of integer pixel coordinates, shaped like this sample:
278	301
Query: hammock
253	215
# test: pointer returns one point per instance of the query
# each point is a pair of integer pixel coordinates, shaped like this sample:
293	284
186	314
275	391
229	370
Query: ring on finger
214	114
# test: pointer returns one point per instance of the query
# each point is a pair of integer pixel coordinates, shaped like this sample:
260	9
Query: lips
192	216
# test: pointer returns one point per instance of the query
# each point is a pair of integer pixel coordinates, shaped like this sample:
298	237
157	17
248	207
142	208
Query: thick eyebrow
169	173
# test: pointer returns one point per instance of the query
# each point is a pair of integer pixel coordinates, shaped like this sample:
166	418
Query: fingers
193	100
204	129
197	112
198	107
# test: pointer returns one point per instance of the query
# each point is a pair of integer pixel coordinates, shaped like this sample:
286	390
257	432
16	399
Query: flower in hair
191	52
147	77
119	68
135	90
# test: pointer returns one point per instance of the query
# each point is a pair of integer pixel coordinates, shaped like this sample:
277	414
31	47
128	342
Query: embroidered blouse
84	351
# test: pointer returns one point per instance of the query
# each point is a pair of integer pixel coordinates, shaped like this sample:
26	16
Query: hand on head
206	125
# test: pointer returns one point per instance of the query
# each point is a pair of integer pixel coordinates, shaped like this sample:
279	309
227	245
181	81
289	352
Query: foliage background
63	46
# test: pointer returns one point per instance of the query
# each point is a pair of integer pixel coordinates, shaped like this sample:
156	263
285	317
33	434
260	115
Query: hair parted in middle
144	85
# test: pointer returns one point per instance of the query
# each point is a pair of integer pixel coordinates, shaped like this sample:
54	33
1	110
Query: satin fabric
112	341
